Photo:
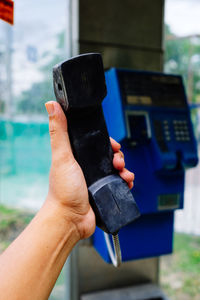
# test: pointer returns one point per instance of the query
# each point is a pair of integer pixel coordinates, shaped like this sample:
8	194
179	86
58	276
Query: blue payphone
148	113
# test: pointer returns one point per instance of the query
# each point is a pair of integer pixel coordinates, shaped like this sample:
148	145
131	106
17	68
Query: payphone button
166	129
181	130
160	135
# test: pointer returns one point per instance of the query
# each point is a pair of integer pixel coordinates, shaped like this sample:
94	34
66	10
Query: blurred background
28	51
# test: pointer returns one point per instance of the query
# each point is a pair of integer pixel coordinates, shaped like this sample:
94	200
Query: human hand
67	186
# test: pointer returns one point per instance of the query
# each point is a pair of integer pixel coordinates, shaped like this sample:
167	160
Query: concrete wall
128	33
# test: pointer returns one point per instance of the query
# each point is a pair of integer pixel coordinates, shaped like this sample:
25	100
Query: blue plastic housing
148	113
149	236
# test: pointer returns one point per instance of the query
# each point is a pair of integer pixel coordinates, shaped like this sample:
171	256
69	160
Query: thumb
60	143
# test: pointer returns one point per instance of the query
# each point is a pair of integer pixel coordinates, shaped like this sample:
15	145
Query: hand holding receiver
79	85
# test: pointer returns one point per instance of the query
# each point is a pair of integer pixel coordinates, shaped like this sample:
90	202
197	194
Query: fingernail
50	108
119	145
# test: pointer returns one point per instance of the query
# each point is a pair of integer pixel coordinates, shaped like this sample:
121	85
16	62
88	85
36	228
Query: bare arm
32	263
30	266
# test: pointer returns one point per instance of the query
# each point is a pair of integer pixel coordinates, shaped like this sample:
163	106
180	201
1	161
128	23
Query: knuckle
61	157
121	153
53	124
52	131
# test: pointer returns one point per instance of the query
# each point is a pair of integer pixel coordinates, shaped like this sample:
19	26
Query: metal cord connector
115	256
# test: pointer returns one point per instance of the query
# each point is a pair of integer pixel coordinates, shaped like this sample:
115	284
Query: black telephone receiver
79	85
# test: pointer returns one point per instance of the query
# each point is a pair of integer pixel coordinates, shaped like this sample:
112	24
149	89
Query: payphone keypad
171	132
181	130
176	130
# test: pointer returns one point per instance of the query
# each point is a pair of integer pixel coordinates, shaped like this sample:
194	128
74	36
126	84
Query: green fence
24	163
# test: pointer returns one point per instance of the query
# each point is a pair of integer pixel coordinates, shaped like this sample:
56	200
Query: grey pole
9	109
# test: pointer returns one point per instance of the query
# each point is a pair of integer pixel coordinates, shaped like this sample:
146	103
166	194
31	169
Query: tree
32	100
182	56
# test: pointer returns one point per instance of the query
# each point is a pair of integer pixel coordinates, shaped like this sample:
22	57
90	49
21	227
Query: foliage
32	100
12	222
180	272
182	56
10	216
188	248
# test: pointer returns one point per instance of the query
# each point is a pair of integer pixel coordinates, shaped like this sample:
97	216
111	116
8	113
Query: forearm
31	264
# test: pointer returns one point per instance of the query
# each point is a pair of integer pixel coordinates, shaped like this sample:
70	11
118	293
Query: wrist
80	217
59	216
